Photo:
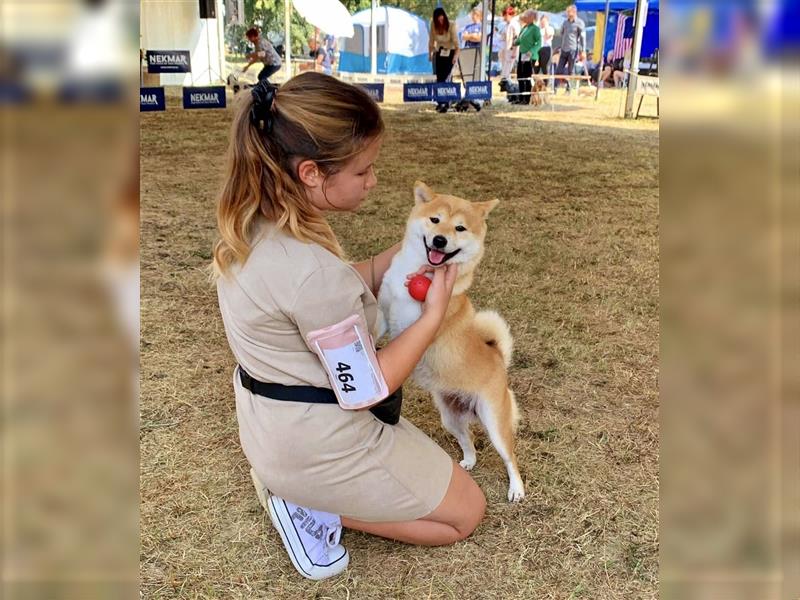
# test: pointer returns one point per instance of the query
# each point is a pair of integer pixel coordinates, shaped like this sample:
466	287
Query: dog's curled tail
494	330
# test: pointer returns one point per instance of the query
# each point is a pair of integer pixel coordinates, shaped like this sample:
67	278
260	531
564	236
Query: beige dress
318	455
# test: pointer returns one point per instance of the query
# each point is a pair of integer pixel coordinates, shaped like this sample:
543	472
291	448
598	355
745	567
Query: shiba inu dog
465	367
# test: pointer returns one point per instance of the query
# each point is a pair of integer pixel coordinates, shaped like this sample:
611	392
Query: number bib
347	353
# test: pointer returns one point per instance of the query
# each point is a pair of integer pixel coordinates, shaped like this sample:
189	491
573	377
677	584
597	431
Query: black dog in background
511	88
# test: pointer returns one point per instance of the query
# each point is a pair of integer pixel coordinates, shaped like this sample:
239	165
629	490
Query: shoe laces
332	534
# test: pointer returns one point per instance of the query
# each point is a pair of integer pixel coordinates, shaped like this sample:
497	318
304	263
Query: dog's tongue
435	257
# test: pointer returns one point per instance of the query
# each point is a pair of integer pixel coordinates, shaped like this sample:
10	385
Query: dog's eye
460	228
434	219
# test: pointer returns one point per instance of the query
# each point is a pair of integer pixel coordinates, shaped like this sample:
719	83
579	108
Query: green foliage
356	5
234	38
424	8
553	6
268	15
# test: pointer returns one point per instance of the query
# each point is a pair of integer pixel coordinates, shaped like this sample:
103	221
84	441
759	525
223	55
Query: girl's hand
444	278
438	297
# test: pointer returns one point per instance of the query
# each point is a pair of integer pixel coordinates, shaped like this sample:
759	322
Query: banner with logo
204	97
417	92
373	89
479	90
447	92
649	86
98	91
152	98
169	61
12	92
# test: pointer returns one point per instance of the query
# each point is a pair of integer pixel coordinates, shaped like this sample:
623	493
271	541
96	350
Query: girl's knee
477	510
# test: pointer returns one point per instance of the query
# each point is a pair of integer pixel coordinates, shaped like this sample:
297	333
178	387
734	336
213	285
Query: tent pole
602	56
636	50
373	40
221	40
287	37
482	53
491	46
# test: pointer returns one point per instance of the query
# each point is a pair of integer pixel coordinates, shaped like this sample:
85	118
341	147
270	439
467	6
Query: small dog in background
236	85
511	88
539	93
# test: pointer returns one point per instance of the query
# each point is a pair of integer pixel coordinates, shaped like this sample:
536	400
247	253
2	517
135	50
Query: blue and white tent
402	43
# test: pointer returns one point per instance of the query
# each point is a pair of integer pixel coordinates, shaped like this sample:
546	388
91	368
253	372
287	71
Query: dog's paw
467	464
515	493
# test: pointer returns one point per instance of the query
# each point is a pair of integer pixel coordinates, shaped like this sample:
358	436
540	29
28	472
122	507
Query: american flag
621	43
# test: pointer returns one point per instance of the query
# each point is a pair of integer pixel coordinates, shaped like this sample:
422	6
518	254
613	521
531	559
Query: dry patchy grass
572	264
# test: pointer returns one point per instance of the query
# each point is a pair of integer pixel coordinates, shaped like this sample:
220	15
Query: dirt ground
572	264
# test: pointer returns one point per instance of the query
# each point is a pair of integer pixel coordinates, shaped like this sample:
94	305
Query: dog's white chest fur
398	308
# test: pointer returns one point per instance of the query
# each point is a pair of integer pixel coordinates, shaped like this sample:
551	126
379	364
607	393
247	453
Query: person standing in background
529	41
510	34
545	51
442	49
321	58
471	35
329	45
573	43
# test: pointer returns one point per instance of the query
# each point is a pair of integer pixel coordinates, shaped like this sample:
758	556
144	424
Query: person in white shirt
508	55
547	45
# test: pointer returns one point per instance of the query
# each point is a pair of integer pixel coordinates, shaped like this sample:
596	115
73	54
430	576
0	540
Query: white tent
171	25
402	43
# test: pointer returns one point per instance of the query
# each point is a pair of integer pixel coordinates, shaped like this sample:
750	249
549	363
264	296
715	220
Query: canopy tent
617	5
402	43
330	16
616	14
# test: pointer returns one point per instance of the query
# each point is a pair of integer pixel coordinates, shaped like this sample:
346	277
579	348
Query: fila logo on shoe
307	523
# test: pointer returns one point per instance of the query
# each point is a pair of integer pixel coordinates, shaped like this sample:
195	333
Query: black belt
387	411
292	393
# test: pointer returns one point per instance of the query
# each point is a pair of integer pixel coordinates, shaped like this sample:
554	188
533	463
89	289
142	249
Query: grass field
572	264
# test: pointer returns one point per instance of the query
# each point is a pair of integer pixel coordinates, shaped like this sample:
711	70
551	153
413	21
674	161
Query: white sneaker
311	537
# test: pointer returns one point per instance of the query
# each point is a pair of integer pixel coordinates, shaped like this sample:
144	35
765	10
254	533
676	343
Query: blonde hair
313	117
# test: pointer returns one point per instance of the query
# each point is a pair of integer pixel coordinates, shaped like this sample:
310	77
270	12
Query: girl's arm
400	356
373	270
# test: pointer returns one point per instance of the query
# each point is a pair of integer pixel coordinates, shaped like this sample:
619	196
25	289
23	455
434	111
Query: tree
553	6
268	15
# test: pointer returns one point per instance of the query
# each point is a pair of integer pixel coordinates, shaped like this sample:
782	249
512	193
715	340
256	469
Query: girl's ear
309	174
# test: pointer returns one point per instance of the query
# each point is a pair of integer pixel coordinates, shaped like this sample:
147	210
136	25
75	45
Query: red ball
418	287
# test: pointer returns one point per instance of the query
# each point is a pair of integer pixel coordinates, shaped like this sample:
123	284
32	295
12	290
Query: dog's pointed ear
422	193
487	206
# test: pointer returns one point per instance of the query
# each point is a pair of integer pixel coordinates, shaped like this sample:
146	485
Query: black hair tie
261	112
